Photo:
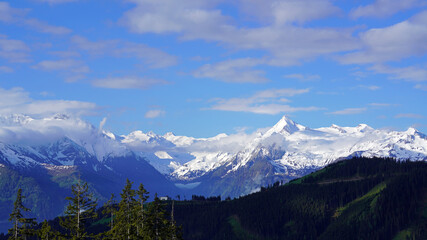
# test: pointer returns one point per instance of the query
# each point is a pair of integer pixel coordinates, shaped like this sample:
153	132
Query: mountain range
45	156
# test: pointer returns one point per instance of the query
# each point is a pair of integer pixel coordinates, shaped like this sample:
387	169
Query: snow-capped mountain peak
287	149
284	127
14	119
363	128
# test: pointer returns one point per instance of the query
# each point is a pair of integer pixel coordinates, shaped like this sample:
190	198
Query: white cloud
393	43
153	57
349	111
6	69
154	113
13	50
263	102
410	73
168	16
381	104
236	70
44	27
421	87
9	14
17	100
369	87
303	77
128	82
287	44
71	65
383	8
57	1
18	17
220	143
102	123
65	54
36	131
291	11
409	115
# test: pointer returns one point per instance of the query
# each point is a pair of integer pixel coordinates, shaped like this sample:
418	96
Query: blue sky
200	68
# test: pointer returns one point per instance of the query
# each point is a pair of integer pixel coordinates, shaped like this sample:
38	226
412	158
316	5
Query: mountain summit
284	127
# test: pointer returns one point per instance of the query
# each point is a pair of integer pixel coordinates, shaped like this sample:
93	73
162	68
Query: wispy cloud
153	57
154	113
17	100
411	73
393	43
286	12
369	87
409	115
62	65
263	102
65	54
303	77
383	8
57	1
421	87
382	104
6	69
127	82
285	43
18	17
44	27
349	111
13	50
235	71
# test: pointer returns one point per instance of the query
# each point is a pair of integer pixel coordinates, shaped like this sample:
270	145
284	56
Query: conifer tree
110	210
81	207
156	227
124	227
46	232
20	224
174	231
140	212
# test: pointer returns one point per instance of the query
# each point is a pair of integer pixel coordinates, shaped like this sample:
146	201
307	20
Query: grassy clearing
370	197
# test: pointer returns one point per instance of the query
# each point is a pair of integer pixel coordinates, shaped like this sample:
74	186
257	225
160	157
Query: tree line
131	218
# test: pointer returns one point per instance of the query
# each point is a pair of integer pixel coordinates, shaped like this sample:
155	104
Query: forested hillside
360	198
354	199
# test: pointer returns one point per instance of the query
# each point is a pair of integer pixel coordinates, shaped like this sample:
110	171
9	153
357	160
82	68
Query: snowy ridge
292	146
62	140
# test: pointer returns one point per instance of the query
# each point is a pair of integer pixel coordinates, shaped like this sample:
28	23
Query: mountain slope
289	150
359	198
45	164
228	165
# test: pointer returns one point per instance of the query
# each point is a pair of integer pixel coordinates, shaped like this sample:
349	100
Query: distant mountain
45	156
239	164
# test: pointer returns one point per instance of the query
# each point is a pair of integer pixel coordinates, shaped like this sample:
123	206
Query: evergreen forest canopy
131	218
360	198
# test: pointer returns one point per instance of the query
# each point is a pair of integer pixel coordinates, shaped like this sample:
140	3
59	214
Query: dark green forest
131	218
359	198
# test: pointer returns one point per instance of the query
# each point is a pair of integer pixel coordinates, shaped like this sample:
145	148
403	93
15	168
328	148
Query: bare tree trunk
78	214
142	215
16	229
